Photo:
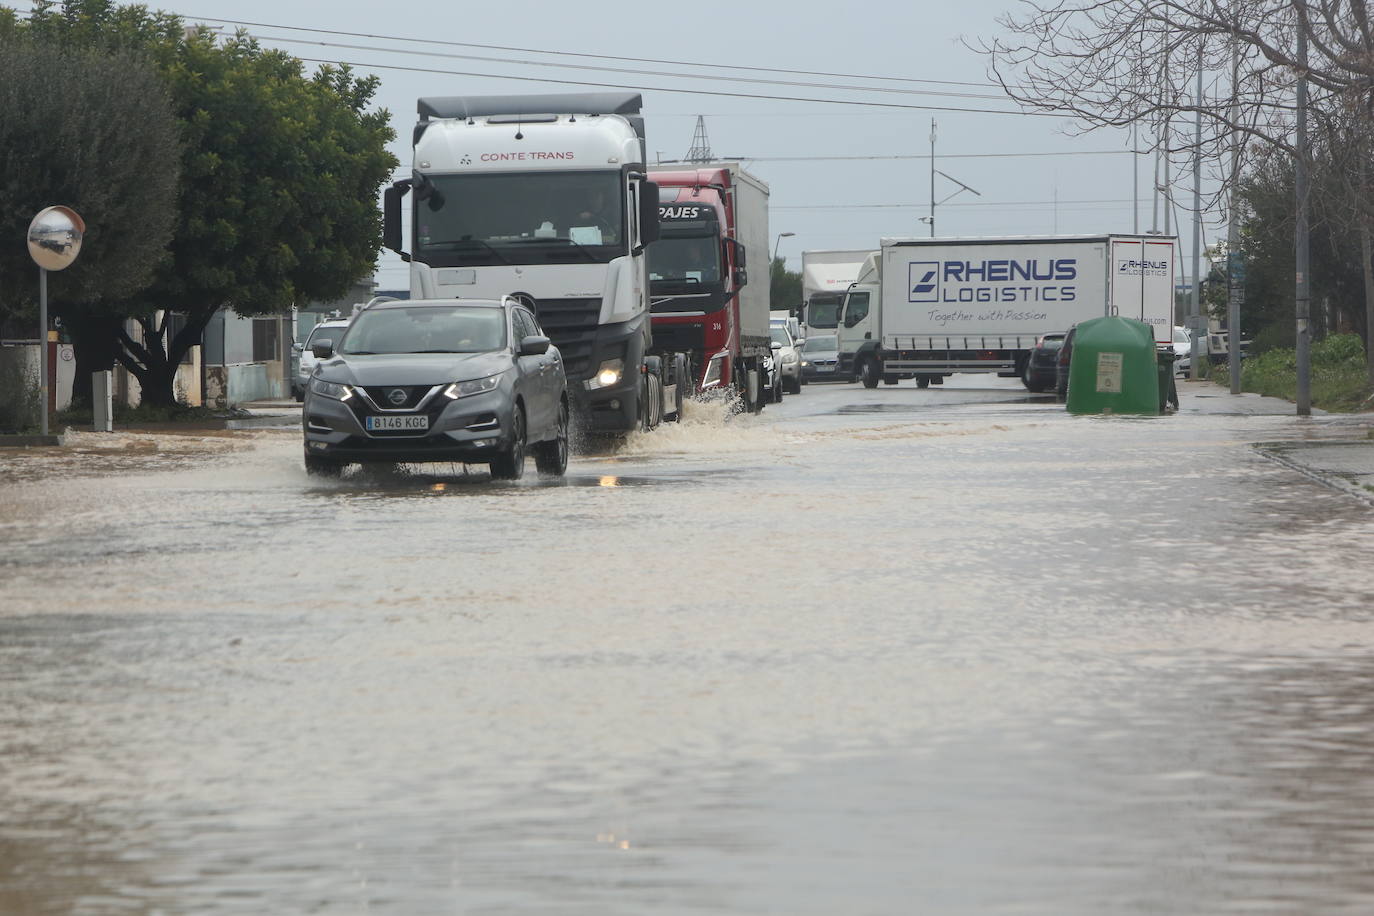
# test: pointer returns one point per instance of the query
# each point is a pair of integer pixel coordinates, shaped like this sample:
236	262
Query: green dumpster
1114	368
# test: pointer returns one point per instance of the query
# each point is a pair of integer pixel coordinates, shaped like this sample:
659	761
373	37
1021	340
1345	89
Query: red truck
713	221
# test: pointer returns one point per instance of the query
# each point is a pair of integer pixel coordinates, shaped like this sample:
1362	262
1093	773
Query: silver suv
466	380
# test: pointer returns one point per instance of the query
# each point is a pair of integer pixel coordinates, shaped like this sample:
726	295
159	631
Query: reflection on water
862	665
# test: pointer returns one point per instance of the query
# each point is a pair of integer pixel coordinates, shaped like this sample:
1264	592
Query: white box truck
927	308
826	276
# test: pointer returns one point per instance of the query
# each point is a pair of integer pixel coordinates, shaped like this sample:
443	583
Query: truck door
855	327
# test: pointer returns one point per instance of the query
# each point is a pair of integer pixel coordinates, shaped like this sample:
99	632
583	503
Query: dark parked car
468	380
820	359
1042	368
1061	379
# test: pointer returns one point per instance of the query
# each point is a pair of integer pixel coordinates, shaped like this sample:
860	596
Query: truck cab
544	198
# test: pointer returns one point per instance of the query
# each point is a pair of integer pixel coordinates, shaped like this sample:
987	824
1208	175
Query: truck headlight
476	386
608	374
335	390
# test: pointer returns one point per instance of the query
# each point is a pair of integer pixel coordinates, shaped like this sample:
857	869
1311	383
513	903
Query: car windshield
1052	343
780	336
427	329
822	343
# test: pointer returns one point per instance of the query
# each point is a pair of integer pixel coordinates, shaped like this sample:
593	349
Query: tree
279	183
784	286
93	131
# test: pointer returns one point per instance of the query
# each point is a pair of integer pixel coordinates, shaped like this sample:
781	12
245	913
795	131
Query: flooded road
873	652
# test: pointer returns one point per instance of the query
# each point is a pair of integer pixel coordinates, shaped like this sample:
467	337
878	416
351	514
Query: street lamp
781	236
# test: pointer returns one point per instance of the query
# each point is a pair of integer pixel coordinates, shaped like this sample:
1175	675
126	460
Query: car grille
361	409
381	394
571	324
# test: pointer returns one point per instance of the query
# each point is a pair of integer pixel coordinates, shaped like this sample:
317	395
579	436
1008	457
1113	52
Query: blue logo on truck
923	281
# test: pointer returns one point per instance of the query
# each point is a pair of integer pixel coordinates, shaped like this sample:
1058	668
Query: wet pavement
891	651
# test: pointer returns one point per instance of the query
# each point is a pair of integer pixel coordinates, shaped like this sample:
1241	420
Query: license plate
406	422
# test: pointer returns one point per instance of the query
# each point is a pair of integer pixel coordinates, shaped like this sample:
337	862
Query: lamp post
54	241
781	236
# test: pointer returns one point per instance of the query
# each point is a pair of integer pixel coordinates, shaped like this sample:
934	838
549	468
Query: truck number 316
715	325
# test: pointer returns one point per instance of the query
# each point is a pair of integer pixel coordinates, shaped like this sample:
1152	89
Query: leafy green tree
784	286
279	182
92	130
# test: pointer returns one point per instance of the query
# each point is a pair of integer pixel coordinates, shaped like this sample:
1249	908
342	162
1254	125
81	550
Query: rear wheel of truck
510	464
551	457
868	372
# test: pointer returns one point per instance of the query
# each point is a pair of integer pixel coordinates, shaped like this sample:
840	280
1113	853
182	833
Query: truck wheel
551	458
868	372
316	466
922	381
682	379
510	464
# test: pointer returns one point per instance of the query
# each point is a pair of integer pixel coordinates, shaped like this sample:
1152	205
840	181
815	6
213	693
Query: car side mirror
533	345
297	347
798	342
777	345
323	348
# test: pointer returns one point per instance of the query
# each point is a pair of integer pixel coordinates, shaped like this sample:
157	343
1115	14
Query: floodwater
873	652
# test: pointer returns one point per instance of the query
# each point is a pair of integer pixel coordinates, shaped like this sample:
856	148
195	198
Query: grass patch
1339	377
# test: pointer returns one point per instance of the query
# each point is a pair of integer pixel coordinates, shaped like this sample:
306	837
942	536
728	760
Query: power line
1098	152
713	92
628	71
635	60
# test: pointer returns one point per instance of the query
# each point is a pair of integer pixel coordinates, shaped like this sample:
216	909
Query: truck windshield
481	219
685	260
823	311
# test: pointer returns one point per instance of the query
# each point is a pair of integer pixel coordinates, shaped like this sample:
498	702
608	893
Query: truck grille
571	325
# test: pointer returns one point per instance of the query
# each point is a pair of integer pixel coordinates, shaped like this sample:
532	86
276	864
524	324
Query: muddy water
872	652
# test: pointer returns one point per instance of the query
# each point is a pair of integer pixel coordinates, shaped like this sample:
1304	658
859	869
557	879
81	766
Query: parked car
1061	364
820	358
332	328
468	380
1041	372
789	361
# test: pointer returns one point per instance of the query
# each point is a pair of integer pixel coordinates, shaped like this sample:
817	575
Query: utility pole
1195	313
1135	177
932	178
1302	302
1235	266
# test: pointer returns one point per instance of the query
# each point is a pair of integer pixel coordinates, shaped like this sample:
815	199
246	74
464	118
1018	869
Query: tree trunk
95	345
1367	263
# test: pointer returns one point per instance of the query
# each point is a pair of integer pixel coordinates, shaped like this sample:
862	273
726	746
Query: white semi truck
546	198
927	308
826	277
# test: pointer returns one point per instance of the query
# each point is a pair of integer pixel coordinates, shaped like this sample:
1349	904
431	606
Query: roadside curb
1342	478
31	441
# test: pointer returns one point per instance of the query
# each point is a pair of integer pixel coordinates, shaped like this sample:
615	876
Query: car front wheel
551	458
510	464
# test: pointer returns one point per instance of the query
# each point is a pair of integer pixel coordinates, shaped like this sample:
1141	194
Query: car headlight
335	390
806	362
788	357
476	386
607	375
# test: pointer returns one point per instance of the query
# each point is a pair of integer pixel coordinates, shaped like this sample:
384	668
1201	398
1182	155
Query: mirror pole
43	350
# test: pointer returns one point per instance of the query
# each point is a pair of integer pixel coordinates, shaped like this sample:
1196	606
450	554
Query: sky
841	175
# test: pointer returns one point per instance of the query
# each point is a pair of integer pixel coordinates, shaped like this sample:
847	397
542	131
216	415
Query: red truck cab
696	271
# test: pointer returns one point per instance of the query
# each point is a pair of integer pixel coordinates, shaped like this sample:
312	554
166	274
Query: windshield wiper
460	243
583	249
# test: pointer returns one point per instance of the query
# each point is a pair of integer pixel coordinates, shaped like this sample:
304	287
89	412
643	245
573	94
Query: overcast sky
1051	182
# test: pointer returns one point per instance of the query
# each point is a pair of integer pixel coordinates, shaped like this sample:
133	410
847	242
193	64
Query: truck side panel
1142	282
751	217
988	295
